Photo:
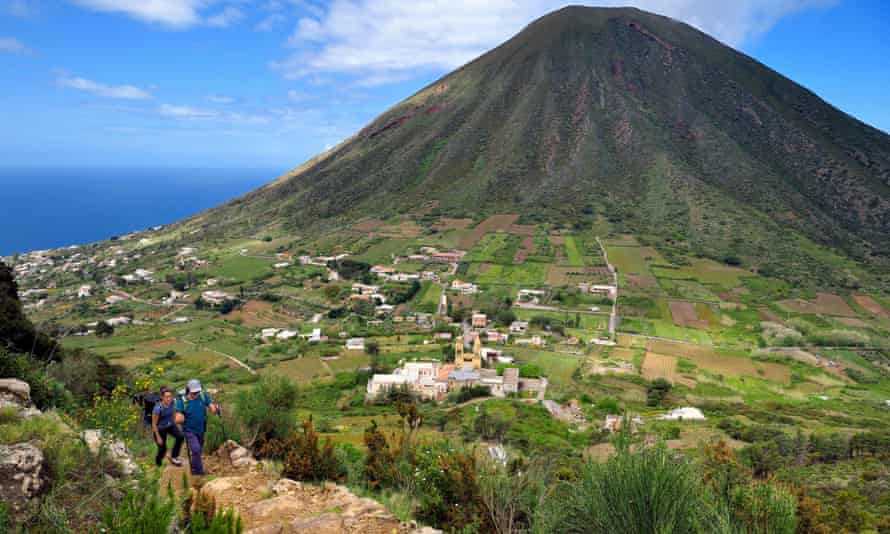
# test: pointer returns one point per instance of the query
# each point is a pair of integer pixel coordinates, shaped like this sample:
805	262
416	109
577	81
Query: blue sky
270	83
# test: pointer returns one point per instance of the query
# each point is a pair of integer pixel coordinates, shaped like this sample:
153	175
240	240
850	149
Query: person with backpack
191	413
162	425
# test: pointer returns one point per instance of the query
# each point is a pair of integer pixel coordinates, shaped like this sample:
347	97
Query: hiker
162	425
191	412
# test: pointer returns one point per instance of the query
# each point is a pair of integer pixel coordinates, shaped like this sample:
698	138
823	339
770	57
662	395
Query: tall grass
644	491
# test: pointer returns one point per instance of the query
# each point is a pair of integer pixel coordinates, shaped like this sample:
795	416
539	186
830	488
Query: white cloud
382	39
225	18
173	13
125	92
186	112
11	45
221	99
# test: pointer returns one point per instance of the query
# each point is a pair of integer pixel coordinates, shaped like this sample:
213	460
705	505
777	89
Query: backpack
148	400
185	400
185	403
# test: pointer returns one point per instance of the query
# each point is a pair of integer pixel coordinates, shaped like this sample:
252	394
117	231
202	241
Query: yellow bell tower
462	358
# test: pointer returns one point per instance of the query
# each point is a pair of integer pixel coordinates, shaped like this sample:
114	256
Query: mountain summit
616	113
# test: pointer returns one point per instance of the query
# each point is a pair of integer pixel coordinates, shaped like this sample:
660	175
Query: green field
528	274
241	268
427	299
574	255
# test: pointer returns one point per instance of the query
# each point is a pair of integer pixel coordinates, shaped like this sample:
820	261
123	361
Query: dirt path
223	354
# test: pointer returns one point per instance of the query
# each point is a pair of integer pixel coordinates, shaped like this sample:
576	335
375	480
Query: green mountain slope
620	113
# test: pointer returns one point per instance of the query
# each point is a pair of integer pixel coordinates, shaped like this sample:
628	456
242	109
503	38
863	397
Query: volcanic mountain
617	114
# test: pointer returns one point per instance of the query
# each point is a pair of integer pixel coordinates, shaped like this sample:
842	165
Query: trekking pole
222	425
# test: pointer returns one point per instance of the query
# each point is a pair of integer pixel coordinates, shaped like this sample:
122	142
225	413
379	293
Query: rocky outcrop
17	395
21	475
238	456
115	448
286	506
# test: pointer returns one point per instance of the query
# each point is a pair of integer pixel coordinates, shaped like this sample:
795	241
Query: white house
518	327
356	343
84	292
286	334
687	413
215	297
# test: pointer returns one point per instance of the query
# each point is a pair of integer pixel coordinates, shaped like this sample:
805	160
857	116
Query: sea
44	208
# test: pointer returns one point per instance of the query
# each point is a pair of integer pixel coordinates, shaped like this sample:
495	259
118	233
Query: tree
267	410
306	459
103	329
657	391
16	330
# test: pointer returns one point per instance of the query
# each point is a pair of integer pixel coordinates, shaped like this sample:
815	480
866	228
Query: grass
427	299
574	256
241	268
528	274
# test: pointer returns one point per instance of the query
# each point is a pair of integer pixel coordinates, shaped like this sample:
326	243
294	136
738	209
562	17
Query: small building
382	270
453	256
84	292
286	334
518	327
119	321
215	297
479	320
442	336
281	265
266	333
364	289
686	413
356	343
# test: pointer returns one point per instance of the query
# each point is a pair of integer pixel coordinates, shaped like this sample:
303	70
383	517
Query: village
501	311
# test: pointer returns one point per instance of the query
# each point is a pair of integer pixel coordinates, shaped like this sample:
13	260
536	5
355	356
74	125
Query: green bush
143	510
46	392
304	457
648	490
268	410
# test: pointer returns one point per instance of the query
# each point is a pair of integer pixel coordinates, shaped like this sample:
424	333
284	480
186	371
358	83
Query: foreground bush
304	457
268	411
634	492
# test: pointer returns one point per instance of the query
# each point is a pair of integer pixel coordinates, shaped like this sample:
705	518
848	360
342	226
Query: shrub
87	375
657	391
448	491
839	337
267	410
304	457
46	392
647	490
380	462
143	510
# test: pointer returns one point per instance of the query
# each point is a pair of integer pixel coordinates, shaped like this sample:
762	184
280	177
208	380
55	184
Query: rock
287	486
218	486
328	523
17	394
21	475
116	449
239	456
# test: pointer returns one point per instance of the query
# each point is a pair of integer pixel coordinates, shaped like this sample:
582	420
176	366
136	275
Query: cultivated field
871	305
711	360
491	224
684	314
824	303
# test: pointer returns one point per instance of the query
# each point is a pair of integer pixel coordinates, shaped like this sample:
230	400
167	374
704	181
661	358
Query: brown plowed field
684	315
491	224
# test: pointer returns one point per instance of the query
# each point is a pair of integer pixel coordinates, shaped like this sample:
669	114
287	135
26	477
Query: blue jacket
195	411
